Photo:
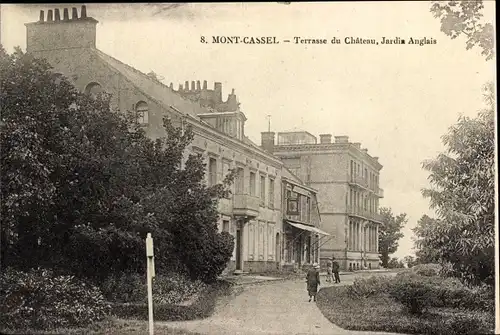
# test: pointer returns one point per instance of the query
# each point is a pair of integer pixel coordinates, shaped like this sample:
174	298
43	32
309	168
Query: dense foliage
465	18
82	185
410	304
38	299
463	195
389	234
167	289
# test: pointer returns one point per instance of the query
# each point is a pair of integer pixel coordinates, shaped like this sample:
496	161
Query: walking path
274	307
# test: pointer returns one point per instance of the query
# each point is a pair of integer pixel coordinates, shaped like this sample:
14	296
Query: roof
164	95
153	89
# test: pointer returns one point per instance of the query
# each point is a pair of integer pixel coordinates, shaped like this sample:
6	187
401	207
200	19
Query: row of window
254	188
361	200
361	238
261	241
369	176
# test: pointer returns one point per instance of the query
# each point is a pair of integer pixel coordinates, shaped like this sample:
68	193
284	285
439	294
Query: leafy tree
389	233
463	194
82	185
422	230
395	263
409	261
464	18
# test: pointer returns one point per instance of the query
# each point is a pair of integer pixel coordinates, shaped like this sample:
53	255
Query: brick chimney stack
53	33
267	141
325	138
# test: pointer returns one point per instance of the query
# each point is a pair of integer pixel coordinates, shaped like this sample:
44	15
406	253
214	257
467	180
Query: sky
396	100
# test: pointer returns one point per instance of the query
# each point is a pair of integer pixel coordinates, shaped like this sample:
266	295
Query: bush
428	270
365	287
167	289
41	300
200	308
416	293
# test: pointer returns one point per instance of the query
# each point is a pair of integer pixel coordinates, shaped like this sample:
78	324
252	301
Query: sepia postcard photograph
249	168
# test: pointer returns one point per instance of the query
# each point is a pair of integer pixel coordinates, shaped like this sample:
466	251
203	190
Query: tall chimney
65	14
41	16
193	88
198	85
218	91
74	13
186	86
341	139
49	16
57	15
267	141
83	14
325	138
205	84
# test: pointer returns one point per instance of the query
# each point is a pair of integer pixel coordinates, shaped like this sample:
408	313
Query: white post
150	275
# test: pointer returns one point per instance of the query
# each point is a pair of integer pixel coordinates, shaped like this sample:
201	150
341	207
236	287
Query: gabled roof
153	89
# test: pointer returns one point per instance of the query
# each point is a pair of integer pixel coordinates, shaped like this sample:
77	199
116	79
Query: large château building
347	180
254	212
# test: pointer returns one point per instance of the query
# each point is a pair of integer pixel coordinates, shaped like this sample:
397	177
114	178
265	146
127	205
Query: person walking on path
329	273
335	269
313	281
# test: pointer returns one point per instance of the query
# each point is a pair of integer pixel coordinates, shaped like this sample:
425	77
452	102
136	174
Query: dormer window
230	123
93	89
142	112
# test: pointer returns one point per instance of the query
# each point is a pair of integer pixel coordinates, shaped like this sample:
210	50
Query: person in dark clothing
313	281
335	269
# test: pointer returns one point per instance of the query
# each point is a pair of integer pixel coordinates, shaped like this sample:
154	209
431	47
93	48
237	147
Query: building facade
301	224
253	213
347	180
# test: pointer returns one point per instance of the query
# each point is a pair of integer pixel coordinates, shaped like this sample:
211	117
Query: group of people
313	280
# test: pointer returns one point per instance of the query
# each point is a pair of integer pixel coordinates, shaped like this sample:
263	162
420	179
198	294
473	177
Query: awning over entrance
308	228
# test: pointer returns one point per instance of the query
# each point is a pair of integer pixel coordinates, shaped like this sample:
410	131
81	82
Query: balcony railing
246	205
358	180
360	212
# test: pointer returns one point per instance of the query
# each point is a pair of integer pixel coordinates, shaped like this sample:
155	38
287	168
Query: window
262	190
212	171
308	210
240	181
271	193
292	204
252	183
225	171
93	89
225	226
142	112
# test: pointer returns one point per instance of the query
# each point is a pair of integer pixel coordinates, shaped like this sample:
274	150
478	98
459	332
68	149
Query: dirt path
271	308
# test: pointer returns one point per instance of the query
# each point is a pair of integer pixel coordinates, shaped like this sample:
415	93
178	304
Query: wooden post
150	275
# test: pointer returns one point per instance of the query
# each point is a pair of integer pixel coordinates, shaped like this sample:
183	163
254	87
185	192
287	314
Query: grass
131	319
201	308
380	313
111	326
